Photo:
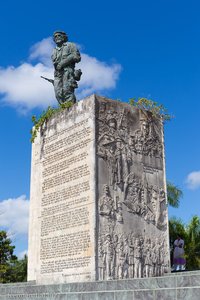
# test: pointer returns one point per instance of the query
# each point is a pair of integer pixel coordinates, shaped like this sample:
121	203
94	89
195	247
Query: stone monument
98	195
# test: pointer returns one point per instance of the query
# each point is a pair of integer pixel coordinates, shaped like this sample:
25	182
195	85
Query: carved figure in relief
122	260
116	262
109	257
101	261
148	263
132	193
119	214
147	201
157	252
126	251
137	259
106	203
131	256
110	208
154	259
145	140
160	258
113	148
155	201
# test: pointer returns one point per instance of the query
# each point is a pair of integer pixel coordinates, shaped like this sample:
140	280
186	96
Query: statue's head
60	37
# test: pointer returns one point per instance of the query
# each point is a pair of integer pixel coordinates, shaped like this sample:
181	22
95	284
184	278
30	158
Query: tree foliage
190	233
174	194
157	110
11	269
17	271
6	255
192	247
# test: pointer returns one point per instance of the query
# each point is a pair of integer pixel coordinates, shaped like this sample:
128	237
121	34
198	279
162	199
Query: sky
129	49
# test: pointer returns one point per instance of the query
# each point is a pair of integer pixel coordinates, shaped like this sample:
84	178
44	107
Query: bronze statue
64	57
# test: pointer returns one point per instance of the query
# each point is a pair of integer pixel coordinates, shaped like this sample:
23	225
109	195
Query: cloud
193	180
42	51
23	88
97	75
14	214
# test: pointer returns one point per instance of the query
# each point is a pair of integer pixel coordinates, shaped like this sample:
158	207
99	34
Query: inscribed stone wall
66	208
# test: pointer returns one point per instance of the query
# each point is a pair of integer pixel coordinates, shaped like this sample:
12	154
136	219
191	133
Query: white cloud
42	51
193	180
97	75
23	88
14	214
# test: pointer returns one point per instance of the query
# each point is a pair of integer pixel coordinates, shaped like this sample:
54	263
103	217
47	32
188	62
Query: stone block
168	294
144	295
106	296
73	297
98	206
124	295
90	296
188	293
188	280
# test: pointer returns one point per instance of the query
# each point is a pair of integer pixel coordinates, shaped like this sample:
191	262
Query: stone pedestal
98	195
183	285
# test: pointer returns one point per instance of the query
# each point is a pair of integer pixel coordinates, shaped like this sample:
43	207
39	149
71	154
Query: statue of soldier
64	58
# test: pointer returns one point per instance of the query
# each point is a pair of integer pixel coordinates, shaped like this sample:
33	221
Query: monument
98	212
98	195
98	206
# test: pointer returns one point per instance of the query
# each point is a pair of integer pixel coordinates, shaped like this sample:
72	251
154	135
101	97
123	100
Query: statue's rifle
50	80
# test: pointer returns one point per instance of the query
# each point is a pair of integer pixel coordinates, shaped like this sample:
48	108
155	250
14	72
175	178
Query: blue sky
129	49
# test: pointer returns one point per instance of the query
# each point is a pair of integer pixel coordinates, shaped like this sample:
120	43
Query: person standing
178	256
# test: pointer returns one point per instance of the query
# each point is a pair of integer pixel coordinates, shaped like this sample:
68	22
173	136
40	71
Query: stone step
183	285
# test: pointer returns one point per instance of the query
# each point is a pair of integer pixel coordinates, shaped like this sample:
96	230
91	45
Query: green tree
192	247
191	236
174	194
17	271
11	269
6	256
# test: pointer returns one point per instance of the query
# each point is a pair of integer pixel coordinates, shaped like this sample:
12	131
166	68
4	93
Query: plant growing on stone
157	110
45	116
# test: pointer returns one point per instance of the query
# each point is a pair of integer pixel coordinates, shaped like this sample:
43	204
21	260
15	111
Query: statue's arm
70	56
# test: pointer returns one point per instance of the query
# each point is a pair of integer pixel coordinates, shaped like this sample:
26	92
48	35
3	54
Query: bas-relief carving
130	256
110	208
147	201
130	147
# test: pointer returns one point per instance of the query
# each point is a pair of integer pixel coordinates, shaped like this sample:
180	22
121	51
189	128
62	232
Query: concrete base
177	286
